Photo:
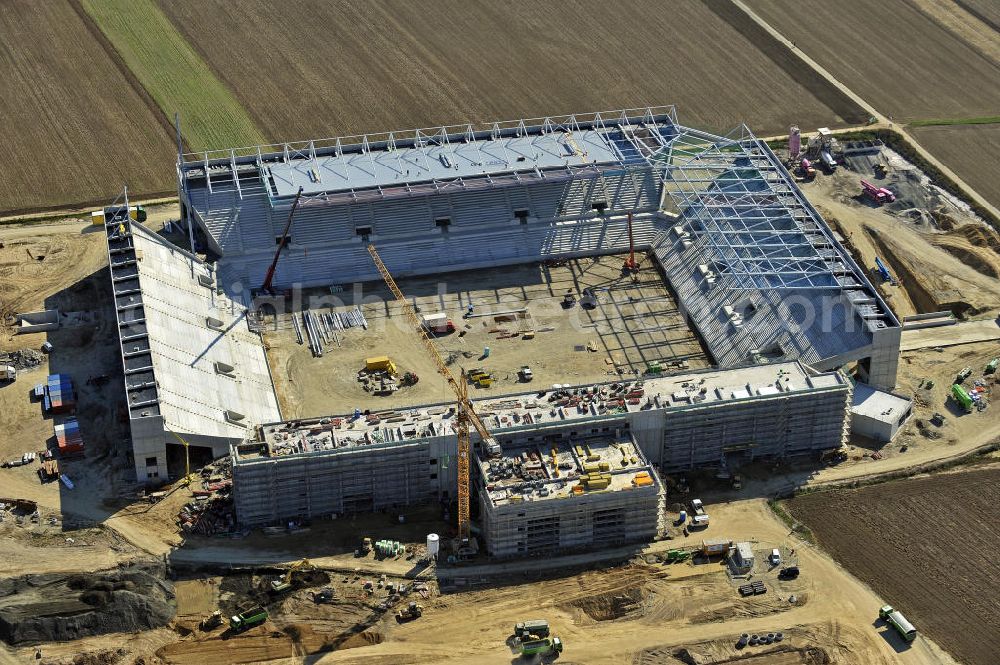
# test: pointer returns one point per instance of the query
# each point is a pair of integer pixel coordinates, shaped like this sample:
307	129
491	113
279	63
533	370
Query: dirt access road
943	572
681	605
966	332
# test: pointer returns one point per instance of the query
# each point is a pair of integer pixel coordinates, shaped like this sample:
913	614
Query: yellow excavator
284	583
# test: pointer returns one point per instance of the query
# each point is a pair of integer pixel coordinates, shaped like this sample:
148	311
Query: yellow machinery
465	412
380	364
187	459
285	582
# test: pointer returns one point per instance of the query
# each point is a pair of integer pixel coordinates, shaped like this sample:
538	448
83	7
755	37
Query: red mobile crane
630	267
266	287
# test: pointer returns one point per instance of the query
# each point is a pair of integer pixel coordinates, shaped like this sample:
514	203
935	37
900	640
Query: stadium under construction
788	321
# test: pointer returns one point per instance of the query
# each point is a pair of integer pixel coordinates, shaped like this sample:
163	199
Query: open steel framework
751	221
738	202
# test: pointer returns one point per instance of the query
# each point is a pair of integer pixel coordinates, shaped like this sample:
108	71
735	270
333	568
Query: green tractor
678	556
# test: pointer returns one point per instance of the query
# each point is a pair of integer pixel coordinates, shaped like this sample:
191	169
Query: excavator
284	583
466	415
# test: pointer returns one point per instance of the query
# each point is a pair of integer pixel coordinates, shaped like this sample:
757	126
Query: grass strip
985	120
176	77
801	530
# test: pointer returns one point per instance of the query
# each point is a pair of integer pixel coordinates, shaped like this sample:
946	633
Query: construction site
617	250
372	380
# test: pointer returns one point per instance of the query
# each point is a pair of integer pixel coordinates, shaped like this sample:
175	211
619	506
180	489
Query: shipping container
715	546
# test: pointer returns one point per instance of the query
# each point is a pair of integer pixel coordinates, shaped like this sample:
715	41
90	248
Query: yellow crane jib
464	411
571	142
187	457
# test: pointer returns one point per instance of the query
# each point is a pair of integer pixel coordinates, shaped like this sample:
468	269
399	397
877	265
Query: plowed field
74	128
972	151
928	546
908	58
308	69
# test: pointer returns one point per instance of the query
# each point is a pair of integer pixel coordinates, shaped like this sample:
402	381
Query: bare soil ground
945	75
648	612
633	324
932	560
972	151
941	256
76	131
381	66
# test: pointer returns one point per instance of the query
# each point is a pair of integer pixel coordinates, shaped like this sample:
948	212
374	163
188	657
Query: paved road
960	333
871	110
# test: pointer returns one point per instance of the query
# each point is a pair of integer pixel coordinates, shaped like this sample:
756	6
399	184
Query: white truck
437	323
8	373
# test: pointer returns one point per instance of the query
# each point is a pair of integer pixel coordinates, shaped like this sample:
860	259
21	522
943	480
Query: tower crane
465	413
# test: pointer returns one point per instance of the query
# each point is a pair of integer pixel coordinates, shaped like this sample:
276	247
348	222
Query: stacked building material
211	512
60	396
68	438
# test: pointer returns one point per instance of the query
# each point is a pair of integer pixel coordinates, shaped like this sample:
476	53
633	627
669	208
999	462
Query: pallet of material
48	471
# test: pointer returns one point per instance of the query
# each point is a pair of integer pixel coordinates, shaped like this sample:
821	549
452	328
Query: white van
775	557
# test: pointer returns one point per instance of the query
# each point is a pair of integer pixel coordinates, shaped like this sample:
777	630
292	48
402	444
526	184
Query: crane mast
266	286
465	413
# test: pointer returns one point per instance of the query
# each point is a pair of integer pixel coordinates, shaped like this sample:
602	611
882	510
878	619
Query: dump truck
896	619
549	645
536	629
437	323
961	398
248	619
829	163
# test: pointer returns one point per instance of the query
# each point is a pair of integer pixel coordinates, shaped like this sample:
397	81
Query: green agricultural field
174	74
